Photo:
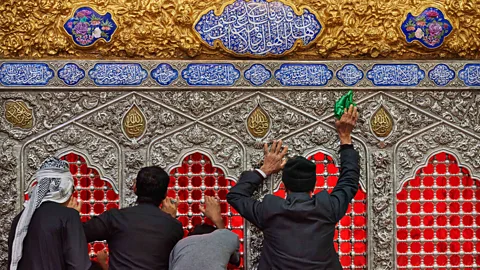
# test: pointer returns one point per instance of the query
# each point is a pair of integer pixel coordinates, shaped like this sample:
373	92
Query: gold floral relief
162	29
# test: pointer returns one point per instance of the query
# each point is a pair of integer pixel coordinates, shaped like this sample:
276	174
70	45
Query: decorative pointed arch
351	232
437	216
195	176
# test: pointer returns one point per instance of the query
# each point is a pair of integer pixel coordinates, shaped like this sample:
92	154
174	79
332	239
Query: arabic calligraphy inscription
258	123
19	114
381	122
395	74
210	74
258	27
303	74
470	74
21	74
117	74
134	123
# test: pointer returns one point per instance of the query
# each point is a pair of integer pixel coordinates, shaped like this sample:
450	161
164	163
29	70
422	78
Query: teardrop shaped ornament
381	123
134	123
258	123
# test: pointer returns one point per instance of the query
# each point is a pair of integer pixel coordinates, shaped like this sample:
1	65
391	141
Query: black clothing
298	231
139	237
55	240
299	175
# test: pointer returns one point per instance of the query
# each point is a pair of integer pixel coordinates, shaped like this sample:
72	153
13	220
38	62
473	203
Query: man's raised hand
346	124
213	211
274	160
169	206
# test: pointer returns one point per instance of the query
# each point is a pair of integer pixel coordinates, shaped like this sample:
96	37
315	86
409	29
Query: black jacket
298	231
139	237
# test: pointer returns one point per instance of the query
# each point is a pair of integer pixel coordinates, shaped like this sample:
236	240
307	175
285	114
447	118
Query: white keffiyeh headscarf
54	184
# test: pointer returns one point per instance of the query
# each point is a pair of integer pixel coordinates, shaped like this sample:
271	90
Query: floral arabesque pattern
429	28
87	26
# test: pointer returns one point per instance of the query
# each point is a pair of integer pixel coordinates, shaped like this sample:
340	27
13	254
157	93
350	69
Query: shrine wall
112	86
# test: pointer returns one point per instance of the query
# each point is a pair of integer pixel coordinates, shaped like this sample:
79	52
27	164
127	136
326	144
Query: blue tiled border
239	73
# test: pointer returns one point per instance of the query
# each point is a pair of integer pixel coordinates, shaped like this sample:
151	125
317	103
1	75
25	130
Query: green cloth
344	102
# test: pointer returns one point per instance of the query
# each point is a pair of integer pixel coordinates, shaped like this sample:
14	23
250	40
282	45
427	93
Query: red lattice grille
96	195
195	178
352	228
437	218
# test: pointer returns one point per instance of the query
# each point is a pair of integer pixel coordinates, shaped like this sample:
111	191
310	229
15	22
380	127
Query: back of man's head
202	229
151	185
299	175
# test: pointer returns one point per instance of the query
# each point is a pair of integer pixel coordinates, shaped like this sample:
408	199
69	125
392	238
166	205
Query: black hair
202	229
152	183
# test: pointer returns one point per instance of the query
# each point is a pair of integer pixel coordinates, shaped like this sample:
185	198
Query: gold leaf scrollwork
19	114
258	123
134	123
381	123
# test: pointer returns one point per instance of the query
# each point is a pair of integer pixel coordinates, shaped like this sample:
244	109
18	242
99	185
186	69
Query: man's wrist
345	139
218	221
264	172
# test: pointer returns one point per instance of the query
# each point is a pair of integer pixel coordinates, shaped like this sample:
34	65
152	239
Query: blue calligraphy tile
258	27
470	74
117	74
396	75
350	75
441	74
25	74
257	74
164	74
210	74
71	74
87	26
303	74
429	28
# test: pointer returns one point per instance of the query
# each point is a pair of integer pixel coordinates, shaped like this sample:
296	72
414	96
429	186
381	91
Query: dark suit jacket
298	231
139	237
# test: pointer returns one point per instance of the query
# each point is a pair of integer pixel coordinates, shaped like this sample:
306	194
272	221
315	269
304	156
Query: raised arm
75	249
240	196
347	185
213	211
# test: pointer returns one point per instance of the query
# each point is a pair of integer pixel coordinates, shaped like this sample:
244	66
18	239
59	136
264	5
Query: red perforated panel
195	178
95	194
437	218
351	232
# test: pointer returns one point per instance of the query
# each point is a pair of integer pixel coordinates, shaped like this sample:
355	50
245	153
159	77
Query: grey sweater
211	251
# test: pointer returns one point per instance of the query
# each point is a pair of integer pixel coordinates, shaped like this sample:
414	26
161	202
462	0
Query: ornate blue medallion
25	74
441	74
470	74
257	74
395	75
303	74
87	26
117	74
429	28
164	74
71	74
350	75
210	74
258	27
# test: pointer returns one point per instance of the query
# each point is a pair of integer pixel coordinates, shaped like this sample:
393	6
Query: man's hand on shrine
102	257
213	211
274	160
346	124
74	203
169	206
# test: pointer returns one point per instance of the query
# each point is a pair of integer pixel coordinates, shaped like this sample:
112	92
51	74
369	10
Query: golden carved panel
19	114
162	29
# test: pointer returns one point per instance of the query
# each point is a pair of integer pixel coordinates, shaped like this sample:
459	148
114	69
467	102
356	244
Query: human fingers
273	147
279	147
265	148
285	150
350	109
